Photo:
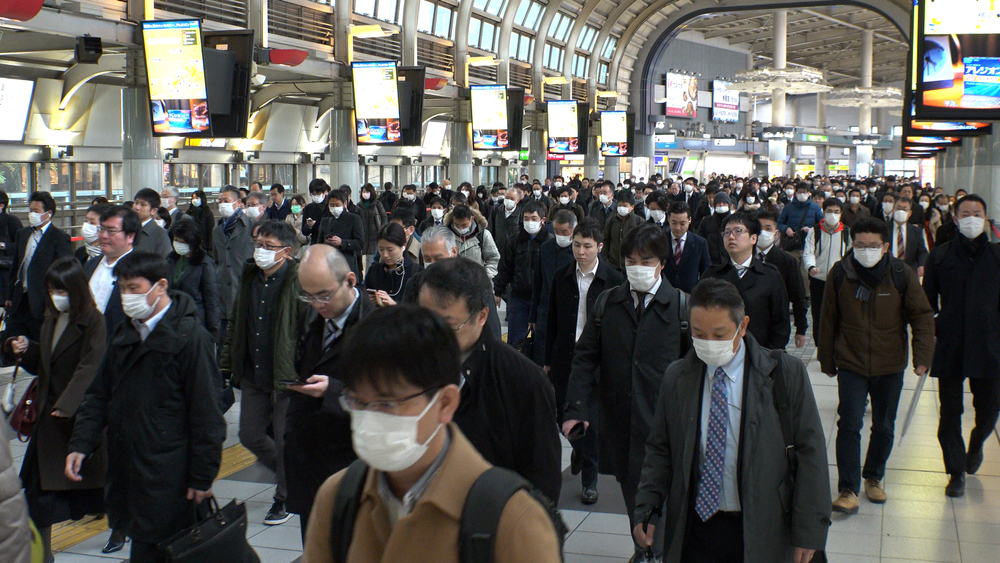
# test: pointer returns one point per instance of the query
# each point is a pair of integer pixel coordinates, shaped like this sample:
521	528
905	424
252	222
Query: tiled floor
917	524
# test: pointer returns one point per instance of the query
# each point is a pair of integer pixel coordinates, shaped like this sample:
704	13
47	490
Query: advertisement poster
682	95
376	102
614	133
725	102
15	101
175	67
489	118
563	127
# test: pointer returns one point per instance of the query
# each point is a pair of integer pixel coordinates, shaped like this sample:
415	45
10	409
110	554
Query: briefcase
220	537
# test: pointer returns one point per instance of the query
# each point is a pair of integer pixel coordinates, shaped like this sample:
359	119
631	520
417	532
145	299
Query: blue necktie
710	486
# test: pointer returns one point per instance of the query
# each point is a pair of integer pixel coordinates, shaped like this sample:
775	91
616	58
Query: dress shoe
874	491
956	486
589	496
847	502
116	542
973	461
575	463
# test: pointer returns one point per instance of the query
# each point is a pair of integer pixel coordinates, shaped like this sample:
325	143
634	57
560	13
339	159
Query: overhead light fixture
369	31
554	80
483	61
607	94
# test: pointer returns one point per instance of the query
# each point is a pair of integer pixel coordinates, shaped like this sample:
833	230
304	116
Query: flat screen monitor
15	102
617	133
725	102
175	70
231	53
376	103
490	126
565	136
682	95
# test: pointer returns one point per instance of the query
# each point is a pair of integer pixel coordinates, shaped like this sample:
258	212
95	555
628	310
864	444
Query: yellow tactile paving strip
66	535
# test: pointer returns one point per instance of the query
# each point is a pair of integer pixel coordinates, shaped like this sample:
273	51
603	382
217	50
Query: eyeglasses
351	404
737	233
324	299
467	321
260	245
863	247
111	231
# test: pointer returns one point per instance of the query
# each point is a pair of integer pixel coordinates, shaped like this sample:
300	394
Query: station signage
778	133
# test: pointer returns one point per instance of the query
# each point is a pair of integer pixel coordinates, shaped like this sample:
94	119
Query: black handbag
220	536
526	345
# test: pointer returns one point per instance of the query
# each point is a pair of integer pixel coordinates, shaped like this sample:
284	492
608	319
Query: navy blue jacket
797	215
695	260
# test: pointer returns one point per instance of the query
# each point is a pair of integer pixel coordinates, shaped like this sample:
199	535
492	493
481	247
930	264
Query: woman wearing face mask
66	359
203	217
193	273
295	220
386	281
373	217
91	245
941	222
162	218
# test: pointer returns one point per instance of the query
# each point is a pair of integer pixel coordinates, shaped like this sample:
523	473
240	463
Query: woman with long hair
203	217
194	273
386	280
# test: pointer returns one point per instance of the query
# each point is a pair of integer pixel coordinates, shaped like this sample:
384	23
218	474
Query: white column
865	112
778	95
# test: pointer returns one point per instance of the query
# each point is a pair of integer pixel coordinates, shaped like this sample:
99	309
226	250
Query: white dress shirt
29	252
730	498
896	229
649	295
102	282
583	283
147	326
741	269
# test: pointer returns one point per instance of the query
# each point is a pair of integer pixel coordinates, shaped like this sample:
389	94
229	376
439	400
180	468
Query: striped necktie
900	243
331	333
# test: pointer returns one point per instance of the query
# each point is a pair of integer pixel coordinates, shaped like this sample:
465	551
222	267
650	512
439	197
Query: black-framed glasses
272	248
734	233
110	230
352	404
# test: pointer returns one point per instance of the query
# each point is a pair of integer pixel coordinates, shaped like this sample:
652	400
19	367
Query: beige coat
15	531
430	532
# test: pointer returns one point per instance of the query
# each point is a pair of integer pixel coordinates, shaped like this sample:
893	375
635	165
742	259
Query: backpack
480	516
683	315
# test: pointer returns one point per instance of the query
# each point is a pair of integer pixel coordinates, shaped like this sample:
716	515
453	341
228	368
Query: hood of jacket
476	216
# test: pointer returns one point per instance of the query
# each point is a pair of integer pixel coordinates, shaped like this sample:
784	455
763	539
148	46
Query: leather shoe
116	542
956	486
973	461
589	496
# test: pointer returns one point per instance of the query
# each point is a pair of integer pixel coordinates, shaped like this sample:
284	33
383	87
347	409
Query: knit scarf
870	278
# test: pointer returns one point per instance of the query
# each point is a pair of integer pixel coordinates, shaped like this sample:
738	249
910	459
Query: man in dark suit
316	209
769	251
586	278
689	257
906	240
152	237
281	206
119	229
343	230
38	246
318	439
760	284
604	208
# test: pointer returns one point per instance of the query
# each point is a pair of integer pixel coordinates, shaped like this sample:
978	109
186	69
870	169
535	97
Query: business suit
114	315
153	238
695	261
602	213
915	251
28	297
792	274
765	298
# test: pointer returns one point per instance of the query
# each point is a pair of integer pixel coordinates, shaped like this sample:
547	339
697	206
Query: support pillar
344	167
865	112
779	61
592	160
460	169
537	155
142	161
303	175
612	168
822	151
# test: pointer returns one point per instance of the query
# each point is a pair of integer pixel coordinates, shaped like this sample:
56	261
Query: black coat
765	298
518	264
114	315
351	231
601	213
960	280
159	400
205	220
631	356
381	278
53	245
916	246
551	258
200	281
504	228
794	286
711	230
318	431
508	412
317	212
9	226
694	261
560	333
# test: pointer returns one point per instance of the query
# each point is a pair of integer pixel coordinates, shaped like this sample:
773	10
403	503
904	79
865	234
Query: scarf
870	278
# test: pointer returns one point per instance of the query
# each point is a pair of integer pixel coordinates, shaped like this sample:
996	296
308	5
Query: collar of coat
756	266
664	295
759	362
167	332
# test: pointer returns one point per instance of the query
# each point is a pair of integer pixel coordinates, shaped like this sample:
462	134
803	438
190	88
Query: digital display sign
682	95
490	127
15	101
563	127
175	69
614	133
725	102
376	103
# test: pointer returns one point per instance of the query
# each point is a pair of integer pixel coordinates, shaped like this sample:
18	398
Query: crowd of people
646	322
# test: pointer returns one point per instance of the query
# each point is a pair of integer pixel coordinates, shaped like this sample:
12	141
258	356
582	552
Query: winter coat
230	254
64	374
779	514
564	299
797	215
158	400
15	526
551	258
383	278
765	298
791	273
518	263
373	218
504	227
614	232
296	222
870	338
153	238
206	223
478	245
351	231
575	208
53	245
710	229
199	280
631	357
9	225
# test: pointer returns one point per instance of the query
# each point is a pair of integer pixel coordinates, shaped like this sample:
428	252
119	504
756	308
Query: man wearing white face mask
633	333
768	251
316	209
617	228
256	206
563	201
603	209
506	221
824	246
517	269
960	282
718	481
554	254
908	242
474	241
232	246
91	223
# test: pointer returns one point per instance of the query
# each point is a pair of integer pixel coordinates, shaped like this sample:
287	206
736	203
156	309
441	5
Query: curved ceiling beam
503	46
80	74
411	13
660	6
574	36
464	14
595	56
541	37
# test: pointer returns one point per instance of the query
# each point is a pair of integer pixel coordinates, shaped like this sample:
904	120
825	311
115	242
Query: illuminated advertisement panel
175	70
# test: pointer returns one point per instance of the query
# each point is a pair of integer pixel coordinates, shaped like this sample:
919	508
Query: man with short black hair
907	241
517	270
603	209
553	255
618	227
769	251
280	206
404	217
506	221
415	204
316	209
343	230
824	246
689	257
116	235
152	237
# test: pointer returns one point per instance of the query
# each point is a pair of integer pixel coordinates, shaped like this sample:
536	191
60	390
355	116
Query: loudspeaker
88	49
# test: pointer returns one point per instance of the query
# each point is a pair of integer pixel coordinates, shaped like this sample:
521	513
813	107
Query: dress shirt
673	243
341	320
896	229
29	252
730	498
583	283
649	295
102	282
741	269
149	325
399	508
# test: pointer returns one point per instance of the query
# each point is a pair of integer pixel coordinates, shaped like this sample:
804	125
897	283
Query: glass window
489	37
59	180
322	171
284	174
387	10
480	4
425	22
364	7
560	27
609	47
587	38
528	14
117	185
496	6
475	26
213	177
261	173
442	22
602	73
15	179
522	11
88	181
553	57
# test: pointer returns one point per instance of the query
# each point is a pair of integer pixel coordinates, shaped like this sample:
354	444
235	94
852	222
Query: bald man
318	437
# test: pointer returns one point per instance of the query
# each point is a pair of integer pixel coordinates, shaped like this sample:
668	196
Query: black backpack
480	516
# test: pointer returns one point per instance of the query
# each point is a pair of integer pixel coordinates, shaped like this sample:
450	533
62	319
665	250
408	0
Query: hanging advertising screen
725	102
175	69
616	133
563	127
489	118
376	103
15	101
682	95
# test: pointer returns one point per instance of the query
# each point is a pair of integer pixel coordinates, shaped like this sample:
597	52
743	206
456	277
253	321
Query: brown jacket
430	532
870	338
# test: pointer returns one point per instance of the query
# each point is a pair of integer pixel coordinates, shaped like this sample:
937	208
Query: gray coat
15	531
153	238
230	254
785	513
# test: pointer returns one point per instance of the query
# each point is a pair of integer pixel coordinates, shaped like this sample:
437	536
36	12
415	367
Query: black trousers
816	289
143	552
986	401
719	540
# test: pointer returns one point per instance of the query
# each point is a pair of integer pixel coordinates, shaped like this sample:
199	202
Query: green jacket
284	334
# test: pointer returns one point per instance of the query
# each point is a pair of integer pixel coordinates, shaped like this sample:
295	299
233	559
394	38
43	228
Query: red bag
22	420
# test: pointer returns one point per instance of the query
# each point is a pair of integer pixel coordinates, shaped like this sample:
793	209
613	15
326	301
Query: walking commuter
797	218
66	358
438	209
295	219
759	495
9	226
564	200
869	299
343	230
151	237
373	218
768	250
711	227
90	233
658	205
619	360
508	411
194	273
232	246
259	350
119	228
968	337
617	228
824	246
255	207
575	288
316	210
506	221
404	218
203	217
387	279
156	395
907	242
603	210
474	239
413	203
854	210
689	257
517	269
554	254
169	198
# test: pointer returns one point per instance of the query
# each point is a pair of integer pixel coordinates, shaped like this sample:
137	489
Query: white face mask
35	219
538	193
789	192
558	184
925	204
336	211
564	241
253	213
833	219
722	209
944	208
160	223
533	227
265	259
465	231
196	202
318	199
657	215
509	204
855	200
89	232
887	208
751	200
409	197
715	352
971	227
389	442
182	248
227	209
739	185
623	210
900	216
605	199
60	302
868	257
564	200
641	278
437	213
826	195
366	195
136	306
872	190
765	239
803	197
688	188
